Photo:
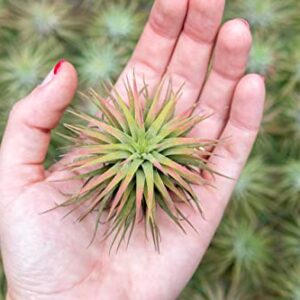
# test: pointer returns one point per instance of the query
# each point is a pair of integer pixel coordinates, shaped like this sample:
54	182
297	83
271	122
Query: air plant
270	129
98	62
288	138
290	241
118	20
293	116
290	74
264	15
289	185
3	287
44	20
243	250
5	34
2	9
24	68
253	192
137	158
215	291
262	56
270	124
282	135
286	284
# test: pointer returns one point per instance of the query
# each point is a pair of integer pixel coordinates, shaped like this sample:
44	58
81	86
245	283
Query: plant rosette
135	158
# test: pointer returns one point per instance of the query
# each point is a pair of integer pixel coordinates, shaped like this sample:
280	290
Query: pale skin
46	256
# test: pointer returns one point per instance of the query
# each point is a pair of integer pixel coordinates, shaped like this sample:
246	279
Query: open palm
45	255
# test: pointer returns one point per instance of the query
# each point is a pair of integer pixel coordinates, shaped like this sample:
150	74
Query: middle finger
192	54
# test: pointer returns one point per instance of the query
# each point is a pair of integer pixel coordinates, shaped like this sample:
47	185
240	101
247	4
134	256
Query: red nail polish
57	66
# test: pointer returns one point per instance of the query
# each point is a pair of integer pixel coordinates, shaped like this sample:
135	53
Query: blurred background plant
256	252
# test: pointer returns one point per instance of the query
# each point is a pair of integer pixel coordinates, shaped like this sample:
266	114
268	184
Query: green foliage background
256	251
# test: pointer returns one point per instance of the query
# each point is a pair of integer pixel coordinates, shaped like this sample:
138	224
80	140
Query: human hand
46	256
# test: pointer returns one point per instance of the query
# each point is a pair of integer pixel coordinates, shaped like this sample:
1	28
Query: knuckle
16	110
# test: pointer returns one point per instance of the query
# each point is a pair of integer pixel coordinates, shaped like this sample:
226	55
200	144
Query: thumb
27	135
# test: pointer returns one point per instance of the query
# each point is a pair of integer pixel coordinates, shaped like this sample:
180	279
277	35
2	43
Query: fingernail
53	72
246	22
263	78
58	66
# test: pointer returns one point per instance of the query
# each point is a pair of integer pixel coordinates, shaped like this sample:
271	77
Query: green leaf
120	220
161	119
168	182
104	149
180	127
130	174
116	180
96	181
167	210
181	142
153	110
154	161
164	192
103	204
138	109
190	175
108	158
140	186
182	183
111	113
91	133
126	112
116	133
149	194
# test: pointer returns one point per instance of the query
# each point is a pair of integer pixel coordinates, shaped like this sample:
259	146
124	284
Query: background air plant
290	242
136	159
290	185
263	15
291	68
286	284
270	128
262	57
43	20
6	35
98	62
293	113
118	21
24	68
244	251
3	283
252	196
215	291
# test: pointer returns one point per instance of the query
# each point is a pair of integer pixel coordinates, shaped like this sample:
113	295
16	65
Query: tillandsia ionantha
117	21
22	68
36	21
264	15
137	157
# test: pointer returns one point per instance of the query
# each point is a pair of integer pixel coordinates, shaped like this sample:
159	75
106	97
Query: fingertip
232	49
252	84
65	72
248	103
235	35
62	75
45	104
58	91
167	17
